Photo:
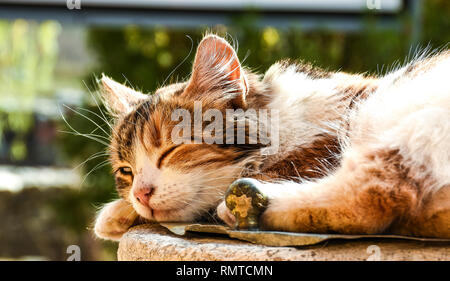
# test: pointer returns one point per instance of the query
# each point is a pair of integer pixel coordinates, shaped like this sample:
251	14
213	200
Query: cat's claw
246	202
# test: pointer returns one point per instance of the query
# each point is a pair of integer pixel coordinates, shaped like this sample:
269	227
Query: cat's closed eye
165	154
125	171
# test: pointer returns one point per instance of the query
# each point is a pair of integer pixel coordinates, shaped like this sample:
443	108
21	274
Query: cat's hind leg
431	220
364	196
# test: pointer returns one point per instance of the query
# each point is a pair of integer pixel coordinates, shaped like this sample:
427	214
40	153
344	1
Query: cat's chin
169	215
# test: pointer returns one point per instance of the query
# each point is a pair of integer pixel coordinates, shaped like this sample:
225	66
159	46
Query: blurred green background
48	70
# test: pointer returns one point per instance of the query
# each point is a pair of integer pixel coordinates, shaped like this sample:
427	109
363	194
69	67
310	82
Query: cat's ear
217	67
119	99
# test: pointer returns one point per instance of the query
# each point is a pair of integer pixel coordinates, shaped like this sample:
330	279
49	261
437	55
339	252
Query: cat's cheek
173	215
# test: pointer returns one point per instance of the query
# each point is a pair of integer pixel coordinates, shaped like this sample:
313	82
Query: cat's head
165	180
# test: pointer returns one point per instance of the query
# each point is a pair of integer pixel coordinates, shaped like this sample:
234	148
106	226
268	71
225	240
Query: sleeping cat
357	154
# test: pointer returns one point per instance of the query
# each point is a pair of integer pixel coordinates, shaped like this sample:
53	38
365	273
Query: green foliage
76	210
28	54
436	23
98	184
146	56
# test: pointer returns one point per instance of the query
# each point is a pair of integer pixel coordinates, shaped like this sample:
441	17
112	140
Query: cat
357	154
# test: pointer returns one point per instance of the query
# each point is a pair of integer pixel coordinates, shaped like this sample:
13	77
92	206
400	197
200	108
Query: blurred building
332	14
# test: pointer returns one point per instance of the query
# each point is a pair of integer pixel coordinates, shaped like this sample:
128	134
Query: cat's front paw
225	214
114	220
246	202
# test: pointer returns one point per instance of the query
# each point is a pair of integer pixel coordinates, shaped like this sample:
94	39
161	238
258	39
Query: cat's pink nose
143	194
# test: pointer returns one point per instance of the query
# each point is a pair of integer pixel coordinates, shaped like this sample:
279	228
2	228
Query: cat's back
421	83
409	113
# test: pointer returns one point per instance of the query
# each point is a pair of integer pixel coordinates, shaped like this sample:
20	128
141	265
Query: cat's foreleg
115	219
364	196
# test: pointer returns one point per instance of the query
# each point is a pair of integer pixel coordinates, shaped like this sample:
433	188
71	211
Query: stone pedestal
155	243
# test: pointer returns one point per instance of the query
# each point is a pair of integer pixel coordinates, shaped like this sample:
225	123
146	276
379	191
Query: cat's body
356	154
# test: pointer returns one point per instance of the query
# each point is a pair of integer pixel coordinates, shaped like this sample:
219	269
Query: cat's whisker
82	134
176	67
92	157
98	166
128	81
98	106
101	118
87	118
